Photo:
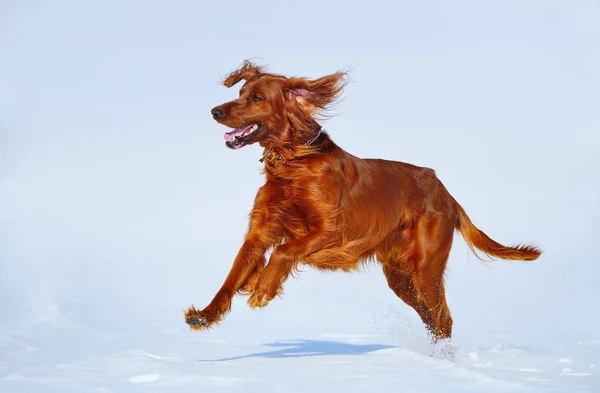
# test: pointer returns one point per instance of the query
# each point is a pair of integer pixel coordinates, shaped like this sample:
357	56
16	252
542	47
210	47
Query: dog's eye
255	98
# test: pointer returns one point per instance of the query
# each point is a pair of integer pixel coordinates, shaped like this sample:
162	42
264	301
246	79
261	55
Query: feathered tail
475	238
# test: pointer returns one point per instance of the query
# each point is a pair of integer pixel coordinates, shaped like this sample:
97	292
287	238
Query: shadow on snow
304	348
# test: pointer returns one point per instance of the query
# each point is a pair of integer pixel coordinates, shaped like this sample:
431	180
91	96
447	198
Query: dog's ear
316	95
245	72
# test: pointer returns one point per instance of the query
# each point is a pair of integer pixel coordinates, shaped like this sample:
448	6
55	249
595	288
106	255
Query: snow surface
120	206
63	355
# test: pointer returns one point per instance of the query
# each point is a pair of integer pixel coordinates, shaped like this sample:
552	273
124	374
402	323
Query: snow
120	206
58	356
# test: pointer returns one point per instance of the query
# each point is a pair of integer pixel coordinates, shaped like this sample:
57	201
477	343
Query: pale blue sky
111	167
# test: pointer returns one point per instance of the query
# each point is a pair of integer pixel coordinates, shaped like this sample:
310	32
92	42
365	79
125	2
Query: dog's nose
217	113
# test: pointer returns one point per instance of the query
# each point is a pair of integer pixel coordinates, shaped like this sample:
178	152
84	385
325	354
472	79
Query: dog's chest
293	198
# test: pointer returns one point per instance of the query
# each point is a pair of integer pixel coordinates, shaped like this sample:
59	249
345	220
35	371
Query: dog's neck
273	154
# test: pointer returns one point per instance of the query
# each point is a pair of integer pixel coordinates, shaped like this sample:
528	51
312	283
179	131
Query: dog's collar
314	138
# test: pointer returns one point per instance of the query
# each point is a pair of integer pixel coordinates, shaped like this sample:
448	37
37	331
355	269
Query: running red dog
328	209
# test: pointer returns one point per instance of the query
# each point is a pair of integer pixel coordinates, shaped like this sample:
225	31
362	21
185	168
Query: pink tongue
237	132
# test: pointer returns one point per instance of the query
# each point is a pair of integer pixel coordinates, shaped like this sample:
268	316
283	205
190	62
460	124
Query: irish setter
321	206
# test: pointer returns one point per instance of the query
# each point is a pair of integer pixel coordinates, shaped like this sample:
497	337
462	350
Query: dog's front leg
249	256
264	231
280	266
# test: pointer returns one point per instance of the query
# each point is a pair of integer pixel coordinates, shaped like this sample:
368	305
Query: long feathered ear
317	95
245	72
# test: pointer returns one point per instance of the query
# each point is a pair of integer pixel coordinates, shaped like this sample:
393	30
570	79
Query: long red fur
323	207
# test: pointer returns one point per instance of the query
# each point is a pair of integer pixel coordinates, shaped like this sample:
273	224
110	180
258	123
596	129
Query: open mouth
241	136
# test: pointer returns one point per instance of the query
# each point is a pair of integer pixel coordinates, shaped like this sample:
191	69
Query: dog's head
273	109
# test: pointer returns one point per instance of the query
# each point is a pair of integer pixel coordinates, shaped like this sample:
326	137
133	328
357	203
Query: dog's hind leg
434	240
402	285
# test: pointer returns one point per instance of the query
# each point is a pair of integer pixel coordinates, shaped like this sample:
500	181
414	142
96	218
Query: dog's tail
475	238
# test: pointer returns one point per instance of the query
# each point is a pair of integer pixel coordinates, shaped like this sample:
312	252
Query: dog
323	207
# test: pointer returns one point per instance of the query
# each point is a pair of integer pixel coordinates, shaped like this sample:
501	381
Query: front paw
259	299
200	320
